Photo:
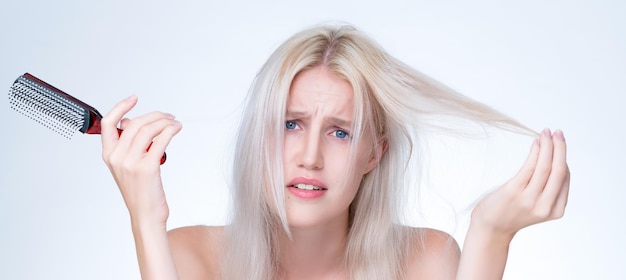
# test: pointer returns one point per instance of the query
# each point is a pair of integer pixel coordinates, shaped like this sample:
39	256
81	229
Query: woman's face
316	152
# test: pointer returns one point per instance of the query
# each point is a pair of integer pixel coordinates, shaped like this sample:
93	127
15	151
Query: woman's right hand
137	171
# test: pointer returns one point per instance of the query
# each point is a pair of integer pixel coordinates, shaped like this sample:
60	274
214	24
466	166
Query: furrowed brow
340	122
296	114
303	115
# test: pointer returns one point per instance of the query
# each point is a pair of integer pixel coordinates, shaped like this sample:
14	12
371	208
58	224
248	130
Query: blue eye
290	125
340	134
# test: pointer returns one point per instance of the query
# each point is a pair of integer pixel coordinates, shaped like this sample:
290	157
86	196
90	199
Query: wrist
489	236
140	226
148	219
153	250
485	252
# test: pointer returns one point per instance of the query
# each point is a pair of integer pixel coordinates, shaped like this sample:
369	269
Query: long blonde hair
392	100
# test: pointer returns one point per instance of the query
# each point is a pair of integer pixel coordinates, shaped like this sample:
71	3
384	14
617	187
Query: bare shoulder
435	255
195	250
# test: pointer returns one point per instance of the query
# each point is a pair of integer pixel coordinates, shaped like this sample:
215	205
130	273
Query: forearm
484	254
153	252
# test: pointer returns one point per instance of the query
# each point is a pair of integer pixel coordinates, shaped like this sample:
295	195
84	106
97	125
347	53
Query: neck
315	252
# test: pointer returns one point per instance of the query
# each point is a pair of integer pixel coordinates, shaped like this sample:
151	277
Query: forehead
320	87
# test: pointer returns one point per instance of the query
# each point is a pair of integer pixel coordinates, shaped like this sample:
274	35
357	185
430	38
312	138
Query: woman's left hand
538	192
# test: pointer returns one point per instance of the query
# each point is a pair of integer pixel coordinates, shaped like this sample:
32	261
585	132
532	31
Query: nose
311	155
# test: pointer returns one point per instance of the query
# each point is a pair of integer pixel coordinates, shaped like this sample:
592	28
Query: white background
558	64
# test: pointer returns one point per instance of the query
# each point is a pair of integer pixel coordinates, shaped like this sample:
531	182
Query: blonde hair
392	100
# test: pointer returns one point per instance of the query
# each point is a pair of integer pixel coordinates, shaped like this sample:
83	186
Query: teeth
307	187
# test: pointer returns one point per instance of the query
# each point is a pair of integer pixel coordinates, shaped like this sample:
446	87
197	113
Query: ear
379	150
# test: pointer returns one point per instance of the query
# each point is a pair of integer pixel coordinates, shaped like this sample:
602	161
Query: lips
305	188
307	184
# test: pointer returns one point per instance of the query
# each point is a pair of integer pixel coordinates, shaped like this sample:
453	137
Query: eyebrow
334	120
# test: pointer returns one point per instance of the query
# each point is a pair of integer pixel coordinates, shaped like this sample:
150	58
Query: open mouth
307	187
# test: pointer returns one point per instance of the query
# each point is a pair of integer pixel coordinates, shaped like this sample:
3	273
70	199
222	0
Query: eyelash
345	134
287	123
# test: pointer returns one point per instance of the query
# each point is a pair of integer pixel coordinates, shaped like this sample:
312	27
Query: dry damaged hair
392	100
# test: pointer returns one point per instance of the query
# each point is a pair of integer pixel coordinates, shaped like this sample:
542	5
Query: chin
303	217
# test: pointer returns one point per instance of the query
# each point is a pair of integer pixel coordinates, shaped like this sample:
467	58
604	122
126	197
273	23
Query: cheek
364	160
338	155
345	170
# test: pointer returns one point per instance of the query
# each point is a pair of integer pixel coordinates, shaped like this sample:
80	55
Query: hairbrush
55	109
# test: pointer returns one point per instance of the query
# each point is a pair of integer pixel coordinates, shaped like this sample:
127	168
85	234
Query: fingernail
559	135
130	98
547	133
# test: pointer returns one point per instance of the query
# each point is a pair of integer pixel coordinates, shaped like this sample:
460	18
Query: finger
544	165
132	128
109	122
162	141
146	135
561	202
558	171
124	123
523	176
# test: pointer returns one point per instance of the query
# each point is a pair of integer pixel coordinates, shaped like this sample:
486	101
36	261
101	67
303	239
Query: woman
330	127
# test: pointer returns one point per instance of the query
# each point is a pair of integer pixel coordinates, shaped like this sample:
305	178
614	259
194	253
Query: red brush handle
95	128
92	122
119	132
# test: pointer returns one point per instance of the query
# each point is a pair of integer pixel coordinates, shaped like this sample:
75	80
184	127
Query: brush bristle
46	107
